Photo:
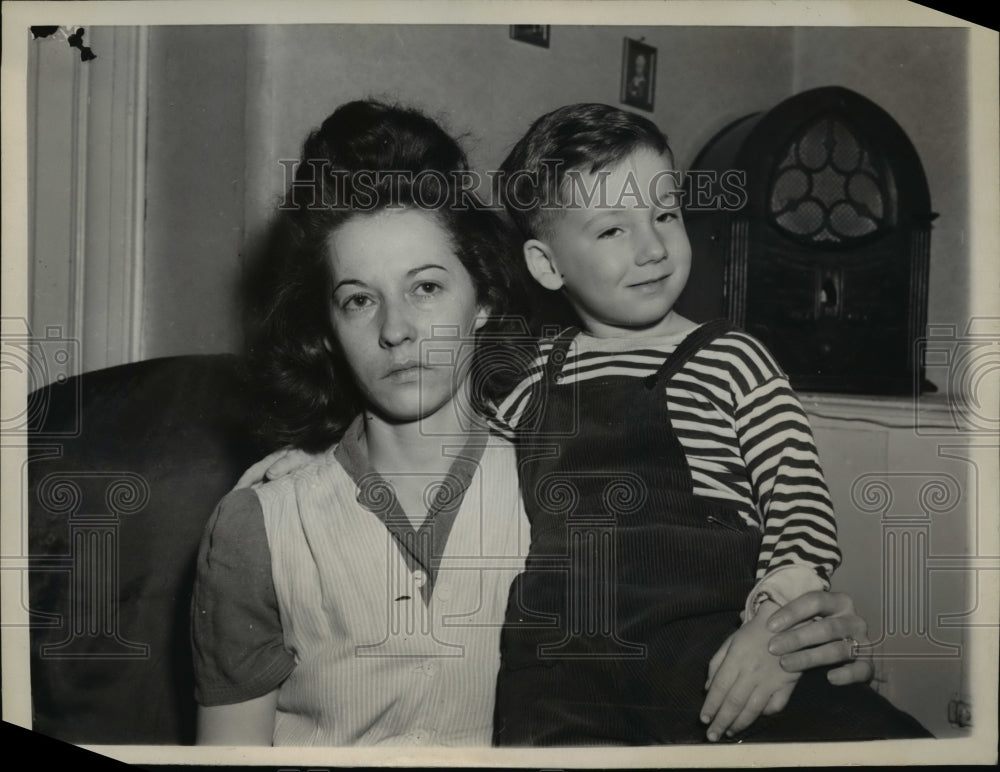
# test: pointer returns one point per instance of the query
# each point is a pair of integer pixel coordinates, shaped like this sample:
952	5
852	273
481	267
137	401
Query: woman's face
403	311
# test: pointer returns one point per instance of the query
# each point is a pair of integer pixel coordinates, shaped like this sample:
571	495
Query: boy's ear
539	259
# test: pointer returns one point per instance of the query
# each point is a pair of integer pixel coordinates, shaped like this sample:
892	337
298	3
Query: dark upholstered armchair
125	466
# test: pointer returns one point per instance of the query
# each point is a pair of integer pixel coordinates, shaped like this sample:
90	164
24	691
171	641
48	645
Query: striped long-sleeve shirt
745	435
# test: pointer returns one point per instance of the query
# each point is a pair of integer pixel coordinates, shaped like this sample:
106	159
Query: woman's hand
821	628
275	465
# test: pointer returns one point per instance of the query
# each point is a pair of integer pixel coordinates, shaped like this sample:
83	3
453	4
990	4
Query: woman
359	599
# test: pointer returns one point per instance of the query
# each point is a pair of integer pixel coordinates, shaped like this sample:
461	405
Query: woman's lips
405	372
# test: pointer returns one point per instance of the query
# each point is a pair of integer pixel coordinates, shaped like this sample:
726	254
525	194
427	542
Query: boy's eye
608	233
666	216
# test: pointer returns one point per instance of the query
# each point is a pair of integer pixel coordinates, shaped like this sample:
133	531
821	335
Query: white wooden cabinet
910	485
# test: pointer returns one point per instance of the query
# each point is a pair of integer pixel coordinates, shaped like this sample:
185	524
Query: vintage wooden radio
810	226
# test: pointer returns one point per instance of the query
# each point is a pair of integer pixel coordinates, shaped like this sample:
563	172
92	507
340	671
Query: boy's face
623	257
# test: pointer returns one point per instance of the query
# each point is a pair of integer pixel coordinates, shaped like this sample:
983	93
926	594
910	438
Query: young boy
668	470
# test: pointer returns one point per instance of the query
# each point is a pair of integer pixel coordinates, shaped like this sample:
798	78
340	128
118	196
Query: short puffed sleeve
237	640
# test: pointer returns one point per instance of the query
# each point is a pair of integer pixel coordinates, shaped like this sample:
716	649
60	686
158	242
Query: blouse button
419	578
443	593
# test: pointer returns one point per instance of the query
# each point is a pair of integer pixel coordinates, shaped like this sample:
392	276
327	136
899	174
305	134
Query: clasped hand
755	670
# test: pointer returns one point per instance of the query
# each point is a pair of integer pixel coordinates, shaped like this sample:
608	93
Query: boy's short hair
584	137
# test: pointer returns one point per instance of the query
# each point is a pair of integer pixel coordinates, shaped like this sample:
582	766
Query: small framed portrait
536	34
638	74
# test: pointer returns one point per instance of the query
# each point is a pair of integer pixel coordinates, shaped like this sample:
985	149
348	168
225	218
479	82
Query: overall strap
688	347
542	395
557	356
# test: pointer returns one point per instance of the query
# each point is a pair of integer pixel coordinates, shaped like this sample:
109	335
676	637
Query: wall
194	195
488	88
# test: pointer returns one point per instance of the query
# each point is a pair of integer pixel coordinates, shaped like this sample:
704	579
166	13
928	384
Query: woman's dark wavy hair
306	394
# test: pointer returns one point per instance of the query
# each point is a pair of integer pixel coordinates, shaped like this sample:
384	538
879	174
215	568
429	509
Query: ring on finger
854	648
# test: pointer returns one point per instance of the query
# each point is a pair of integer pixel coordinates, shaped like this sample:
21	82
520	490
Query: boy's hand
745	680
273	466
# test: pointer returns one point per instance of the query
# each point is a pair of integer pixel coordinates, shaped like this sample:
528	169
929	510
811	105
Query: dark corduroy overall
632	582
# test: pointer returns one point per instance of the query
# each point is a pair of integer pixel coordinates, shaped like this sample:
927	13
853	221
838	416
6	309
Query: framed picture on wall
638	74
536	34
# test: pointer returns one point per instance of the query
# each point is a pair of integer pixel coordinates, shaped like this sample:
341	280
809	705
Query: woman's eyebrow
425	267
344	282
